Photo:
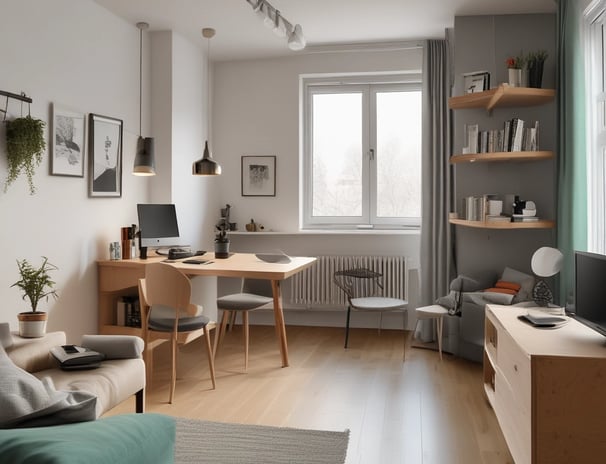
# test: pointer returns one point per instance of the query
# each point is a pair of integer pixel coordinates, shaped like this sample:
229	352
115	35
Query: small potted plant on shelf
515	67
221	239
24	146
35	283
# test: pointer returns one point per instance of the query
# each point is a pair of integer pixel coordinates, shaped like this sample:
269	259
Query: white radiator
314	285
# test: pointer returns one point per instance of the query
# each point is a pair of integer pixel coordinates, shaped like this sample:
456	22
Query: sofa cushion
128	439
26	401
526	283
33	354
112	383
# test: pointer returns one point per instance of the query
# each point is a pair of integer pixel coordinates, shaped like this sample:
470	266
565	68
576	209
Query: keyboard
179	253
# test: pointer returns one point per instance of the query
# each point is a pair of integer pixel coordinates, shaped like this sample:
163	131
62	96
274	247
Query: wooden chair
254	294
364	290
169	315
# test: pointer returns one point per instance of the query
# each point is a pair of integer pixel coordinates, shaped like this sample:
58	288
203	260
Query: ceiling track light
145	163
279	24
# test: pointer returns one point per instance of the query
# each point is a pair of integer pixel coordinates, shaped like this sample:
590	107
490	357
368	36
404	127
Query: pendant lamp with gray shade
145	163
207	166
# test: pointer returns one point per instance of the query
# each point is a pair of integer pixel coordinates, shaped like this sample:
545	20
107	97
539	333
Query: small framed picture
105	155
475	82
258	176
68	142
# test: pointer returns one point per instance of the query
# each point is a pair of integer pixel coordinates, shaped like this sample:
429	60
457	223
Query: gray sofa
463	331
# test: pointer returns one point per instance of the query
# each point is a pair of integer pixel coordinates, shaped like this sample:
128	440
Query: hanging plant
24	146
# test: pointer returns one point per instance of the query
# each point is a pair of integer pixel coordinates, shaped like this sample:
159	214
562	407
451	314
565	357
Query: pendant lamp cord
140	72
208	88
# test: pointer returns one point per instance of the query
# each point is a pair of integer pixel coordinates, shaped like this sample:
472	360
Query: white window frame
595	39
368	85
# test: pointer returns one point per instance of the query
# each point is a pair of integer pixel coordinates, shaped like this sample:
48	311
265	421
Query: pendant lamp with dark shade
145	163
207	166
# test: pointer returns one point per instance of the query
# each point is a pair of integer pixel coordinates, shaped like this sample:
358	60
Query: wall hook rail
21	97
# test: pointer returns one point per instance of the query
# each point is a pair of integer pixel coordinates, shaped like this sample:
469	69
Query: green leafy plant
35	283
535	57
24	146
221	230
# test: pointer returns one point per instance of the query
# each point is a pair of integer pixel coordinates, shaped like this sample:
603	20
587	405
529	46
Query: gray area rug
222	443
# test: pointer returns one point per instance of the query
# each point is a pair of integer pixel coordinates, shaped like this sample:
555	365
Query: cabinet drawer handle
515	367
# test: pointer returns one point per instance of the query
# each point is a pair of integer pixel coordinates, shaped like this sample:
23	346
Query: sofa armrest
33	354
115	346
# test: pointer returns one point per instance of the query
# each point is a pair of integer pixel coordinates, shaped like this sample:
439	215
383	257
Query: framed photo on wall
258	176
68	142
105	155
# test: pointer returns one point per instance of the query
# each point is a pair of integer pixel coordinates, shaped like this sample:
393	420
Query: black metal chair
364	291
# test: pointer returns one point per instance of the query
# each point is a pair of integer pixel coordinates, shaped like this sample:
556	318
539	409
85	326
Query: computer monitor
590	280
158	225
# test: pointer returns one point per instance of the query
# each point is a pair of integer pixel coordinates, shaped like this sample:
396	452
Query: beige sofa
117	379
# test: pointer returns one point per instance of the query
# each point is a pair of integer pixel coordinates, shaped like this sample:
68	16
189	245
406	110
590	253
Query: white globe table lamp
546	262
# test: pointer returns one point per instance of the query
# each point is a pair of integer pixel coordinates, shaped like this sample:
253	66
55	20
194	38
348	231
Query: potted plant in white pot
35	283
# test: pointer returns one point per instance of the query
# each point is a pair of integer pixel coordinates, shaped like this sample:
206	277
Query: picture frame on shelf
68	142
477	81
258	176
105	156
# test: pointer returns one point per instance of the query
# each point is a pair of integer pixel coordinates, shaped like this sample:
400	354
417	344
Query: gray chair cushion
378	303
186	324
242	301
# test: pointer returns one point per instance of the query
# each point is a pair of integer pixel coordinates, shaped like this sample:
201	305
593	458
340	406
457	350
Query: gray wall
484	43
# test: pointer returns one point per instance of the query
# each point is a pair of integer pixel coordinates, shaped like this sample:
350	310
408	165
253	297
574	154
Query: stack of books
128	312
515	136
522	218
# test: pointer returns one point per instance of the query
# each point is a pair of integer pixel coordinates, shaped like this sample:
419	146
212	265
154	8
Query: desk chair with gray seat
364	290
169	315
254	294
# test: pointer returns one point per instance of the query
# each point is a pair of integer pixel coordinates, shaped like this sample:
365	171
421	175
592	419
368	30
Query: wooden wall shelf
502	156
502	96
541	224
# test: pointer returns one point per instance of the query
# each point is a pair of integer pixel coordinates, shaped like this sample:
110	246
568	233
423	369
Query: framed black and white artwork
105	154
258	176
68	142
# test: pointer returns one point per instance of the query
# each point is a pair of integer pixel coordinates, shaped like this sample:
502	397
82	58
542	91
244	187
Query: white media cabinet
547	388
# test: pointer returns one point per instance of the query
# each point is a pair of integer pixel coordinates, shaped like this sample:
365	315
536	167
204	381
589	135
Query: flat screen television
158	225
590	290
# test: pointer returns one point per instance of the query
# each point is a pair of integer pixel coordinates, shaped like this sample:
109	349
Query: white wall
78	54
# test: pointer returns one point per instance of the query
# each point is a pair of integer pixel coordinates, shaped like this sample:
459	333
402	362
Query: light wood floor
418	411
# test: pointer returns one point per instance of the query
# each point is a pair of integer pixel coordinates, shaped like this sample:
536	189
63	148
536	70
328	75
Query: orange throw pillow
510	288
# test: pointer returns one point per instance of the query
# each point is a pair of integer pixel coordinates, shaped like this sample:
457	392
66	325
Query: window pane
337	154
398	154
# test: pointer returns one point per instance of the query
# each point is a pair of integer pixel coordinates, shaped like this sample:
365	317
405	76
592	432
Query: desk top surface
237	265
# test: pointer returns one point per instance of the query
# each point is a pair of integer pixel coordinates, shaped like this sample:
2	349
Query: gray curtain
437	263
572	195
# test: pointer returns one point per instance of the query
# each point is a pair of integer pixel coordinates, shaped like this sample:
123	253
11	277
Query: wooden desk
120	278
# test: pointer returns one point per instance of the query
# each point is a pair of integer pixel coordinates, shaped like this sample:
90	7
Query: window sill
334	232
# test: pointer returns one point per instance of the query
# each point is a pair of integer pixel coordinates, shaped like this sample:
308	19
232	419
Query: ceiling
241	34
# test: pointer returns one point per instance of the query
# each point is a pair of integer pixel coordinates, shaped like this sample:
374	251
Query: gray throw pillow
26	401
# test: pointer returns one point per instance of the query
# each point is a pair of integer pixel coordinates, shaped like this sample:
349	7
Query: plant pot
535	74
222	249
32	324
515	77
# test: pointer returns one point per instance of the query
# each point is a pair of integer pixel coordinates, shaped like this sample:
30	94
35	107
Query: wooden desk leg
279	317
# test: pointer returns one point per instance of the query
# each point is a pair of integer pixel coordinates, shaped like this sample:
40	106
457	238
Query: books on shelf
128	312
515	136
499	218
522	218
475	208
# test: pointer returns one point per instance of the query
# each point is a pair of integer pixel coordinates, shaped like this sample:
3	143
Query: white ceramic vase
515	77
